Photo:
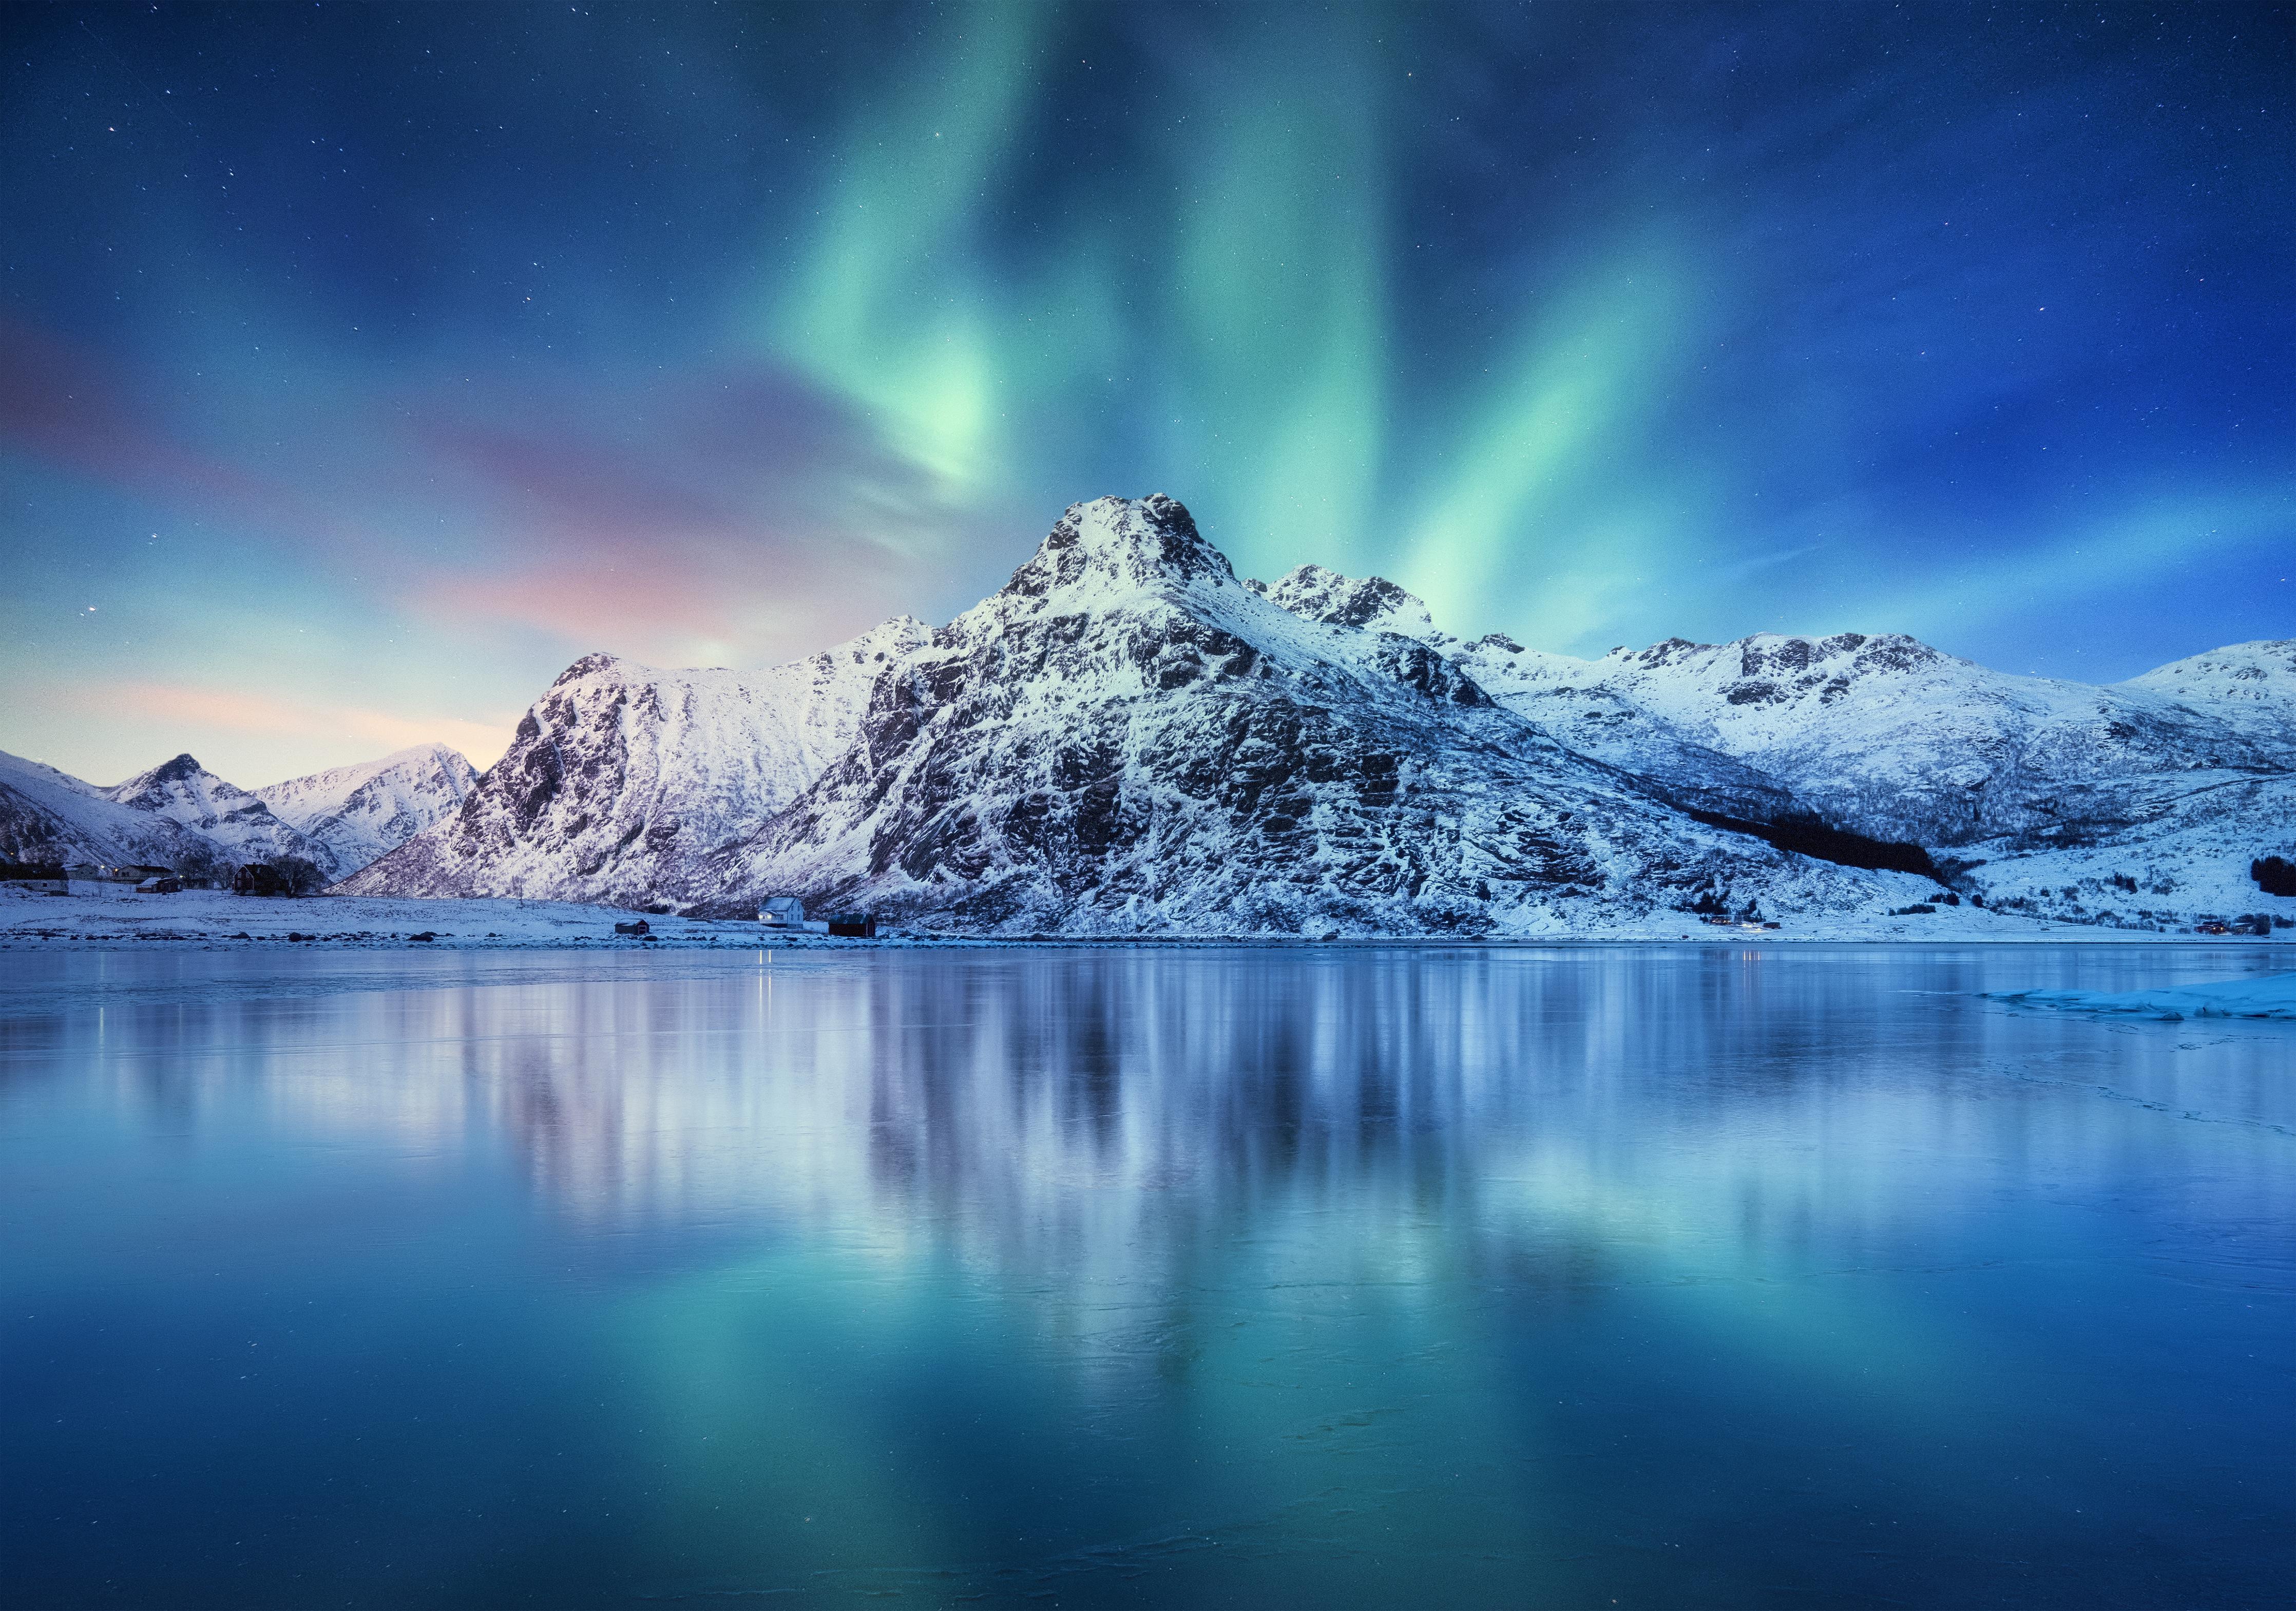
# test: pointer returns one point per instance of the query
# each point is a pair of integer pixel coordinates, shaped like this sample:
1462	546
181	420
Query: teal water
1642	1277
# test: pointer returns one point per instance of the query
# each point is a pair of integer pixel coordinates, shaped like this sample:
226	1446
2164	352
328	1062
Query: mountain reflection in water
1309	1277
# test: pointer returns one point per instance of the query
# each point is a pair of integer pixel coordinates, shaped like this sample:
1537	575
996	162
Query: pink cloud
238	710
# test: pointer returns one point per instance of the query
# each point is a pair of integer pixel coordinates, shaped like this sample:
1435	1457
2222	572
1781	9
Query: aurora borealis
362	365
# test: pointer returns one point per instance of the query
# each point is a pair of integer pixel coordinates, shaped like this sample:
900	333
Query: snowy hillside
2249	687
1891	738
620	778
362	813
2192	864
241	827
1125	739
50	816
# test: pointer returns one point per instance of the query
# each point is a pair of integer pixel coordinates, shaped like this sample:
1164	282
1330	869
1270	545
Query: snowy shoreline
207	920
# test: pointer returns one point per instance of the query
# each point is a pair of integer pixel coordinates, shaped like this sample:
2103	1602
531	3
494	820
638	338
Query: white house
788	912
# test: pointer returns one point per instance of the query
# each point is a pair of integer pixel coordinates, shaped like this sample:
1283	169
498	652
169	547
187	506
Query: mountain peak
1134	542
2250	687
1371	602
182	767
589	665
898	636
2258	665
181	778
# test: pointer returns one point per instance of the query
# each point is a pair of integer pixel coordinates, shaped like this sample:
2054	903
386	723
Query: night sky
361	365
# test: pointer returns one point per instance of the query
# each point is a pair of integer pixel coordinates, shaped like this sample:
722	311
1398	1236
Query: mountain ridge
243	826
181	815
49	816
362	812
1126	737
629	773
1129	738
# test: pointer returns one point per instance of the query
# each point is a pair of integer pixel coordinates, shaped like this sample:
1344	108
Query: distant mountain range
180	815
1129	739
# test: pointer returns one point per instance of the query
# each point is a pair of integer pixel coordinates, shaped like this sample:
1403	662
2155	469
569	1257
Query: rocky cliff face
1126	739
362	813
621	778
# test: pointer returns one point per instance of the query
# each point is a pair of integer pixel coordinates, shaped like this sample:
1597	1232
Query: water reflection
992	1096
1295	1277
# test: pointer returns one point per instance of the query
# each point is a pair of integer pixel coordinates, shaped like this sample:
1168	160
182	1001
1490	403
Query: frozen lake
1659	1277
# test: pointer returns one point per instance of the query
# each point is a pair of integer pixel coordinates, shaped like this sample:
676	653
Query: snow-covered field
2264	995
212	918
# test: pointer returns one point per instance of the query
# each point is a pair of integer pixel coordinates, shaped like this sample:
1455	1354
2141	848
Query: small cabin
788	912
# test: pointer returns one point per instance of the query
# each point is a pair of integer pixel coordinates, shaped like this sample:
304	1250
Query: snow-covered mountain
1892	738
1672	766
2249	687
1371	603
180	815
361	813
241	827
1126	739
2144	802
620	776
49	816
